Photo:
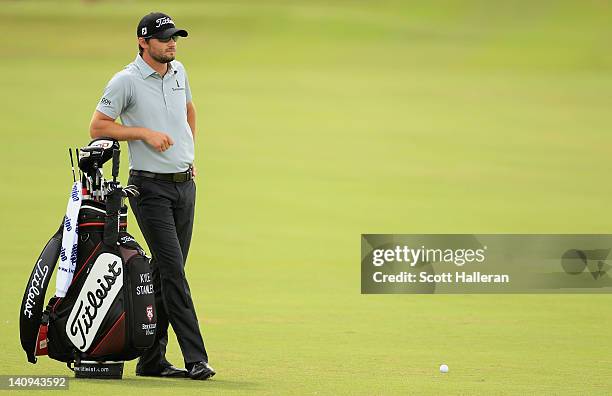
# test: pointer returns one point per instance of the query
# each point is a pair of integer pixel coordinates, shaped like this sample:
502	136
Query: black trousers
164	211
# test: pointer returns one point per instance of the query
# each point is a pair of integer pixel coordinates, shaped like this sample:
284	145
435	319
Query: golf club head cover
97	152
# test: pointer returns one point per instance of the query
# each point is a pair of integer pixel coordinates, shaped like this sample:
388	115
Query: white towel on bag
70	241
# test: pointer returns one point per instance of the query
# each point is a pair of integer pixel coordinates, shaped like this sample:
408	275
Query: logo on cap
163	21
156	24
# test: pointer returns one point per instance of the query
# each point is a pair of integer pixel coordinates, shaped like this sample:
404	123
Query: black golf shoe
201	371
167	372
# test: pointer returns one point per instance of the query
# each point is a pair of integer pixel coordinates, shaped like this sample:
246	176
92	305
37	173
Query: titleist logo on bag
38	279
103	284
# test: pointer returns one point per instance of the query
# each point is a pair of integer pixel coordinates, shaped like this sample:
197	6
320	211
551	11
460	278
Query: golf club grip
116	154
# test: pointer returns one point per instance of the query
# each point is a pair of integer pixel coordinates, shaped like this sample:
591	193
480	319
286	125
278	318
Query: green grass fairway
319	121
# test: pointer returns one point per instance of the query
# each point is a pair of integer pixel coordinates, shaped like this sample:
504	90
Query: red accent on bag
113	341
41	341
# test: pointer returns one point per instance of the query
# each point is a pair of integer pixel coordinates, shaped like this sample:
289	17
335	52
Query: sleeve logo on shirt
105	102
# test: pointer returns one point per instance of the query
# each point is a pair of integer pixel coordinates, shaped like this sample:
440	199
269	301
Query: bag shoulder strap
33	302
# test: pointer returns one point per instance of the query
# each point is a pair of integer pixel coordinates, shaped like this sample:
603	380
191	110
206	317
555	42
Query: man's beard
162	58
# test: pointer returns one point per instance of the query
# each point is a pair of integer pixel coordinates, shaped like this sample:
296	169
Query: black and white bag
108	312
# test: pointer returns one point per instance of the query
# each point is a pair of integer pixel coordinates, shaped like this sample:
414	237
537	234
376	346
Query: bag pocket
140	297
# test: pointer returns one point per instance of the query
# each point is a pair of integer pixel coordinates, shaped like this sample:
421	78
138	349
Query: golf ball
443	368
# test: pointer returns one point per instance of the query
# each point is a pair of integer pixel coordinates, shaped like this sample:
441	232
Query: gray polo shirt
141	97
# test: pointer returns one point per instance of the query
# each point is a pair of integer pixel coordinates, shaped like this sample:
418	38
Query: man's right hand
158	140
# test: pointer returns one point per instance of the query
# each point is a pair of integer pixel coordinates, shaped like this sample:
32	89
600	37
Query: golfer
151	95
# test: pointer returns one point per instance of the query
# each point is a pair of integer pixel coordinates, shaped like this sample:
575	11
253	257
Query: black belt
180	177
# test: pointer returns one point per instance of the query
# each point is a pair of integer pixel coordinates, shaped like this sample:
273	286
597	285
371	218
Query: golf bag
108	311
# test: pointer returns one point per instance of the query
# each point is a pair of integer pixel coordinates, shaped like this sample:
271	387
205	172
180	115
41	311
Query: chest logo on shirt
178	87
